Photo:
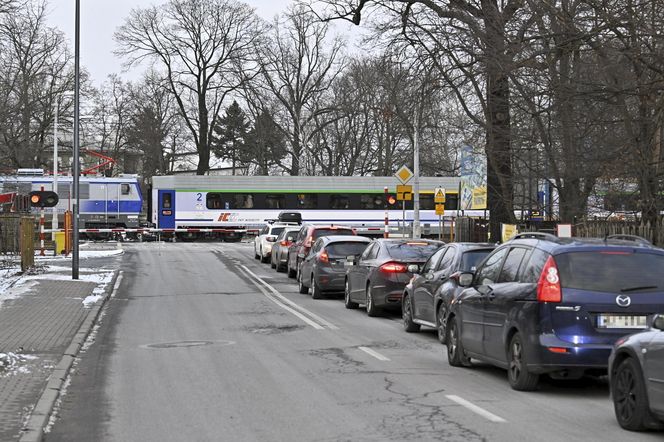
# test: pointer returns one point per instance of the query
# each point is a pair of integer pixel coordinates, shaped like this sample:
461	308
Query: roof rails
536	235
624	237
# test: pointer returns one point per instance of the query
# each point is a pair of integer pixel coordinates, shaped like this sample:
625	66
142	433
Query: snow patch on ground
13	363
83	254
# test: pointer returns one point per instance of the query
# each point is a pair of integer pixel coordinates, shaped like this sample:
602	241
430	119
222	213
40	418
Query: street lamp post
416	177
54	222
76	165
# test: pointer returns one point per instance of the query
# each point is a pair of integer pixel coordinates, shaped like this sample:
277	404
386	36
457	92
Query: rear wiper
642	287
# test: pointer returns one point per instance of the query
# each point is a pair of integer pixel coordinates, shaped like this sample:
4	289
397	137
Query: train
104	202
235	204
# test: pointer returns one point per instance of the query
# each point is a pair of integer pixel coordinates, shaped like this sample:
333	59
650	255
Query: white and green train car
248	202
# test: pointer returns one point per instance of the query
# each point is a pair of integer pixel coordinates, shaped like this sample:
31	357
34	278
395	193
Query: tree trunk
202	147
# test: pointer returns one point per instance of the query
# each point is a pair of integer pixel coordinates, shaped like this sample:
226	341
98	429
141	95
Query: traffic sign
404	174
404	192
440	209
439	195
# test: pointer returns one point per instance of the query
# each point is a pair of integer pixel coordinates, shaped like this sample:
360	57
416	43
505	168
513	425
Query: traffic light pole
77	165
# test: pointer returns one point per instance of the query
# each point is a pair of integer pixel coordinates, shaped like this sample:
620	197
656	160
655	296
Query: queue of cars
535	305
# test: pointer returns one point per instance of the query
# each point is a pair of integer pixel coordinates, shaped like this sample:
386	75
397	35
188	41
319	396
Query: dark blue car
541	304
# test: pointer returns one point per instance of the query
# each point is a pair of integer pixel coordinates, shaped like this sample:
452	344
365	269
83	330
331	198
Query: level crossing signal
43	198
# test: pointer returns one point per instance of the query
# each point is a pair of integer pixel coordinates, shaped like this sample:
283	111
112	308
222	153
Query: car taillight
393	267
323	257
284	243
548	286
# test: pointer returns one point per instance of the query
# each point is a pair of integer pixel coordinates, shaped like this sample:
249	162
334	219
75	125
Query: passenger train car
248	202
104	202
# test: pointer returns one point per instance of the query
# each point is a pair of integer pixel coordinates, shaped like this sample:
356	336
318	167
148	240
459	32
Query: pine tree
230	135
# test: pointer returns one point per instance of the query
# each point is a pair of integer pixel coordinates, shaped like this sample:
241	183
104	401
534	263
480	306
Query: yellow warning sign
404	174
440	209
439	195
404	192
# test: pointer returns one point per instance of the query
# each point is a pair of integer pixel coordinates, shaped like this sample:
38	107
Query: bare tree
207	49
298	69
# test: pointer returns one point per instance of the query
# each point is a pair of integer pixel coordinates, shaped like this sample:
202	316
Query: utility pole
77	165
54	222
416	178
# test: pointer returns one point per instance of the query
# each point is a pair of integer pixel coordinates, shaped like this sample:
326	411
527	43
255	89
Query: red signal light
391	199
34	199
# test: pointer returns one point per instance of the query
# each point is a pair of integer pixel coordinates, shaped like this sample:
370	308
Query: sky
100	19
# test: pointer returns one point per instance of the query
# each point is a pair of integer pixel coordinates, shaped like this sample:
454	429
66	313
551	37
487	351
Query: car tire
256	255
630	400
263	257
440	324
456	356
519	377
272	263
291	272
303	289
347	302
315	289
407	315
372	310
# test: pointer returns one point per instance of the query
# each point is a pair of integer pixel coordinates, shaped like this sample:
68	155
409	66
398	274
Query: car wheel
630	400
263	257
315	289
347	302
517	372
272	263
372	310
440	324
256	255
303	289
456	356
407	315
291	272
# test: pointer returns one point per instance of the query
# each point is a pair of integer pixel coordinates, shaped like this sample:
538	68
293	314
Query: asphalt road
201	342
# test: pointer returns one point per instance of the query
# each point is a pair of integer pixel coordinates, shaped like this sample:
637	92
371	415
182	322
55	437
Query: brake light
284	243
323	257
560	350
393	267
548	286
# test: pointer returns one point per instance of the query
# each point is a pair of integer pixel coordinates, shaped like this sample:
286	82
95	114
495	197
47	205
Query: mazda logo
623	300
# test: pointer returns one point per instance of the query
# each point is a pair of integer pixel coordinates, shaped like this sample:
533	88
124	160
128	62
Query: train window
243	201
371	201
273	201
339	202
307	200
125	188
451	201
166	201
426	201
214	200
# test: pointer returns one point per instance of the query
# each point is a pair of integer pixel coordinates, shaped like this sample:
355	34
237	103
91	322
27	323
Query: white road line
281	304
374	353
116	286
475	409
276	293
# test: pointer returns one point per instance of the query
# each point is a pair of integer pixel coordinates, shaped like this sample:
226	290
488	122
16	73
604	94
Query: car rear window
470	260
611	271
277	230
412	250
346	248
331	232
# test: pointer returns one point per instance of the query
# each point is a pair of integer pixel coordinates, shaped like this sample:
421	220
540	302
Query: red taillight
323	257
548	286
393	267
284	243
558	350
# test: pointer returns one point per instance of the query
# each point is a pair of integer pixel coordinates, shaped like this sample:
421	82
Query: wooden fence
17	237
599	229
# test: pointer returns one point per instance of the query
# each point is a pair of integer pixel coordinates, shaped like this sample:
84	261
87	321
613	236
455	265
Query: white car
266	237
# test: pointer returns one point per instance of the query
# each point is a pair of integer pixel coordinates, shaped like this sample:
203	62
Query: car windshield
419	251
346	248
331	232
277	230
469	260
611	271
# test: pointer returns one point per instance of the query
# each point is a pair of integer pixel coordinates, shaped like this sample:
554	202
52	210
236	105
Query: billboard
473	193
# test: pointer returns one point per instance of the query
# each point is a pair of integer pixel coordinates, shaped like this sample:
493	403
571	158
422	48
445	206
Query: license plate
622	321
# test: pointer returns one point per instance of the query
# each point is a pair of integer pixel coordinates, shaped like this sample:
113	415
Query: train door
166	209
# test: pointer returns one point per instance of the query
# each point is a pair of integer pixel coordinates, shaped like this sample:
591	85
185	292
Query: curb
33	430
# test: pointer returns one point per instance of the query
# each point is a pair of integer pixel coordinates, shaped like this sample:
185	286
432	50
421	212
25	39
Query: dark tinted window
470	260
412	250
489	272
346	248
277	230
512	264
275	201
331	232
339	202
447	260
533	270
611	271
433	261
166	201
307	200
369	251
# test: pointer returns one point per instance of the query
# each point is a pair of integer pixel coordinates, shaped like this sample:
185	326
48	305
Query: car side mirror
413	268
658	323
466	279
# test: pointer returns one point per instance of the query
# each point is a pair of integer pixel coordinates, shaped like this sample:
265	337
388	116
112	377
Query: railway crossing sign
440	209
404	174
404	192
439	195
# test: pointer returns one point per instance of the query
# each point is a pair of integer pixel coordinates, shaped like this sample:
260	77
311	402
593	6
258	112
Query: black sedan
378	277
324	268
427	297
636	373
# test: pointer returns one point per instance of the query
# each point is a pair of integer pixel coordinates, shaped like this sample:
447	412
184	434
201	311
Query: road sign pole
386	233
403	218
76	166
416	184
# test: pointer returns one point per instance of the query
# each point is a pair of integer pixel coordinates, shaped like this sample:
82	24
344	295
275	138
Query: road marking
374	353
290	303
475	409
116	286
